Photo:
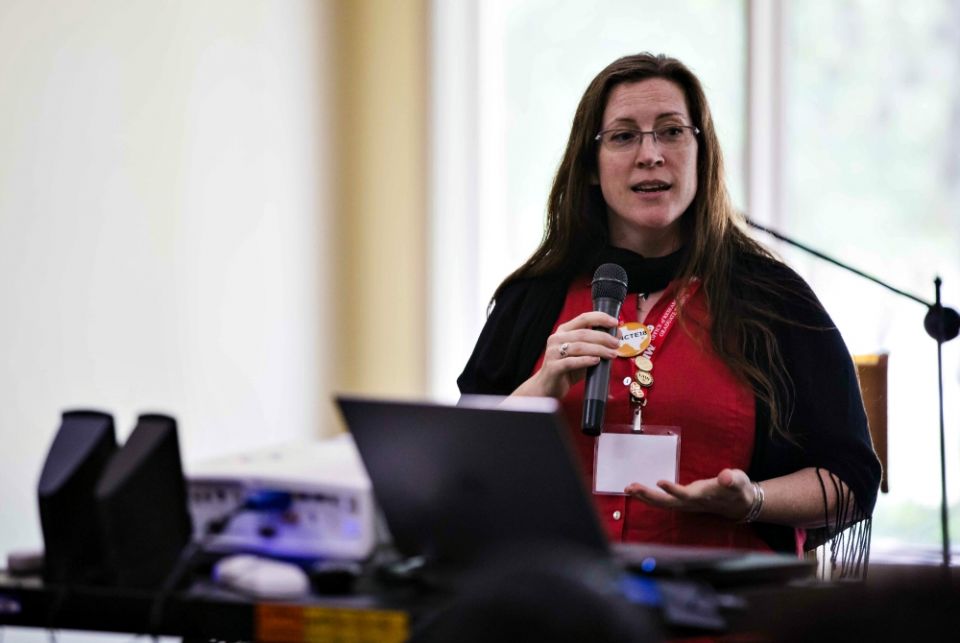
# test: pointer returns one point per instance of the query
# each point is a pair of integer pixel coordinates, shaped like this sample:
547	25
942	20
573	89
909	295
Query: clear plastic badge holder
623	456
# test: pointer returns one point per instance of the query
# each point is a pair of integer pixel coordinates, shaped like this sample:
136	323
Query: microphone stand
942	324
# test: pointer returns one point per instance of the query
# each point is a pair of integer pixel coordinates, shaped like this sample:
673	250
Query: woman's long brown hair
713	233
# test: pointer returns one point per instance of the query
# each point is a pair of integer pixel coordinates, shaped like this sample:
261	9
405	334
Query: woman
774	435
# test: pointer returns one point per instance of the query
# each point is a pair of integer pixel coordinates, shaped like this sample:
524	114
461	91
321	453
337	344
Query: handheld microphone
609	290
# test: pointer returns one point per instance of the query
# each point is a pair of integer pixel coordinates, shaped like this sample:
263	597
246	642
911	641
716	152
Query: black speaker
142	505
68	517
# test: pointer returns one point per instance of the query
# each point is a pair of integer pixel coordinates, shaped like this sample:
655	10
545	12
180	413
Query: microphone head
610	282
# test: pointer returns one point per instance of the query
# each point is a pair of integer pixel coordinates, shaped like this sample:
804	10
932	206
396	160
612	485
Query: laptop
457	483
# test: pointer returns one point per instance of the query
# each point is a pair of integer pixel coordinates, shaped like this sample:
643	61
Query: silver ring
563	349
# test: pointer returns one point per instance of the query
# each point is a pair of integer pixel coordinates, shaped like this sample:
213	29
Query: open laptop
459	482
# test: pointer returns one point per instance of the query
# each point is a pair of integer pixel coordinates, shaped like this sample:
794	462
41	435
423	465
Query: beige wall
381	218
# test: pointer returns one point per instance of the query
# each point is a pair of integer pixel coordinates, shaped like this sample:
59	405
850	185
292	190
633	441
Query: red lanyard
643	379
667	318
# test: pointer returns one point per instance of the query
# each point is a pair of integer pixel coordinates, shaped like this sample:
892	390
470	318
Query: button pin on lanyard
641	342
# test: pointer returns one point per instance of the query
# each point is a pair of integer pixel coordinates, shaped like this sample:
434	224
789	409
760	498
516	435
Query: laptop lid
456	482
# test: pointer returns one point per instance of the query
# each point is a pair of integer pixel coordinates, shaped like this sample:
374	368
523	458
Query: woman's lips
650	187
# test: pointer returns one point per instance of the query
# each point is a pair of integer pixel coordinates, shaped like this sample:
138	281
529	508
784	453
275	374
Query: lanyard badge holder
641	453
623	456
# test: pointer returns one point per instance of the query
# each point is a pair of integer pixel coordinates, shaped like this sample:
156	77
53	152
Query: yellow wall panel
381	218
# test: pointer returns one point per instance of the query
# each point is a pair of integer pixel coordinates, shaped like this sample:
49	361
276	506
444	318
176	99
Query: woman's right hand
573	348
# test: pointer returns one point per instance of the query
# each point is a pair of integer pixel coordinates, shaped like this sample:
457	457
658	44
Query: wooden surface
872	372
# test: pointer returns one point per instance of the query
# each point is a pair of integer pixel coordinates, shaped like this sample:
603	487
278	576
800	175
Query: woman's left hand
730	494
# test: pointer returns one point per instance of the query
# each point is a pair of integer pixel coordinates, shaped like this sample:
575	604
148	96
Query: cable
56	605
265	501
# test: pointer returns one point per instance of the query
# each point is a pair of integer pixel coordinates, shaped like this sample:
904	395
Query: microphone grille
610	282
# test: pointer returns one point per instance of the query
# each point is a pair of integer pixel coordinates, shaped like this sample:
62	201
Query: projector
304	501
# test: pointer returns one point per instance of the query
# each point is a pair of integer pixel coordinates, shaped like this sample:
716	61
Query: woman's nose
648	152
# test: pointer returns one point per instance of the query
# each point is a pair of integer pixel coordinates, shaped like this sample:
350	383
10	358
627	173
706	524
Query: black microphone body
609	290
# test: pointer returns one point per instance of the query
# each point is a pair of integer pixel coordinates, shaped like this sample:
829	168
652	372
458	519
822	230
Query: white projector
325	508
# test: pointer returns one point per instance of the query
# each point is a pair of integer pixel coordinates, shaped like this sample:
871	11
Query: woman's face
647	187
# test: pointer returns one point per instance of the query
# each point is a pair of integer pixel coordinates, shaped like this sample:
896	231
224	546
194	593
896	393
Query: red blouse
692	389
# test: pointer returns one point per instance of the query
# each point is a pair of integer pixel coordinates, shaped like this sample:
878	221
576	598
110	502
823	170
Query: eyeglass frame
656	137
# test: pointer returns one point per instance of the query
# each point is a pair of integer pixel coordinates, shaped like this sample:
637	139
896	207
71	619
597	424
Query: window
871	176
852	147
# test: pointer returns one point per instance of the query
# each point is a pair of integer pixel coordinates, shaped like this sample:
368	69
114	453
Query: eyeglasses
669	136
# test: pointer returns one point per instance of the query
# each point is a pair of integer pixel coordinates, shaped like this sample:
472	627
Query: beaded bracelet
757	505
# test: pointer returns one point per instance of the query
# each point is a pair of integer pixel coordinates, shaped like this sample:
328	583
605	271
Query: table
897	602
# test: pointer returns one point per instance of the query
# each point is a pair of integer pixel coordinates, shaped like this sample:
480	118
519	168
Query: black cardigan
828	423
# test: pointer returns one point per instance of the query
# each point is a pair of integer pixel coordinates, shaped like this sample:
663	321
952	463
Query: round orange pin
634	339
